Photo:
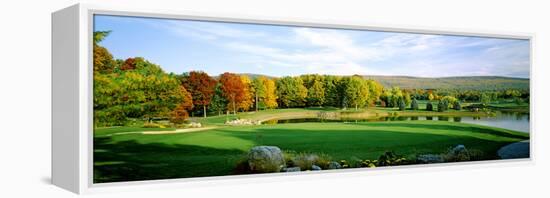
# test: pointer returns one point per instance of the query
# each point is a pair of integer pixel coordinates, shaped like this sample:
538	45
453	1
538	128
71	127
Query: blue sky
181	45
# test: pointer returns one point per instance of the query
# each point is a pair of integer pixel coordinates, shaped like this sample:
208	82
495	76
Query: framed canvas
163	98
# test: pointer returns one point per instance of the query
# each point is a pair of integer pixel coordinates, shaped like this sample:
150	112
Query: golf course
165	153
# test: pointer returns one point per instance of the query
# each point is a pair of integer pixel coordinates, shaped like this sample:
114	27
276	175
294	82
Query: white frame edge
72	152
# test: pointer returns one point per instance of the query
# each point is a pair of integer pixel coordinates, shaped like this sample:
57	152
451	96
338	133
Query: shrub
429	106
323	160
306	160
389	158
242	166
414	104
152	125
355	162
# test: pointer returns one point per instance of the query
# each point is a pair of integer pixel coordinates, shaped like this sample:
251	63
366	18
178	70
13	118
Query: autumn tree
201	86
103	61
270	99
180	113
233	90
316	94
375	91
128	64
248	92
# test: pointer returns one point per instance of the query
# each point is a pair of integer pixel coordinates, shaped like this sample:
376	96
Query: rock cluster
243	122
195	125
429	158
455	154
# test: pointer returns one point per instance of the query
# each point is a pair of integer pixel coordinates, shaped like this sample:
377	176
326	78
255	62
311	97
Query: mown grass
216	152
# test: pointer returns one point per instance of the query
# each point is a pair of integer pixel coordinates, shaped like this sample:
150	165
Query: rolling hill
462	82
456	83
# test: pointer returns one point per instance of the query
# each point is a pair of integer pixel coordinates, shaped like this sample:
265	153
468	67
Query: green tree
486	98
218	103
316	94
291	92
332	95
260	92
357	92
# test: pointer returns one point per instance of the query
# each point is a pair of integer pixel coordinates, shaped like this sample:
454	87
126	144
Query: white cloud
328	51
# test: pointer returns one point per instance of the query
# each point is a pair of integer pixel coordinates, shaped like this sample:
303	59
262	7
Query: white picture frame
72	140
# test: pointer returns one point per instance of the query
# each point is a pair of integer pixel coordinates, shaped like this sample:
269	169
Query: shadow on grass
132	161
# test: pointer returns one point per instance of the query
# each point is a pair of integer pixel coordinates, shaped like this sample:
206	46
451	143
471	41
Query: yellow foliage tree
248	100
270	99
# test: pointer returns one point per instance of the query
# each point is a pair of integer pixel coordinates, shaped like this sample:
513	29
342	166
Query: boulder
334	165
291	169
265	159
315	168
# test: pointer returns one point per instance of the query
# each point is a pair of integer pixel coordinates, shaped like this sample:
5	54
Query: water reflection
509	120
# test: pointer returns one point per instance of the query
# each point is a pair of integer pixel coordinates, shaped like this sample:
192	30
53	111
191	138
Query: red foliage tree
233	89
129	64
201	86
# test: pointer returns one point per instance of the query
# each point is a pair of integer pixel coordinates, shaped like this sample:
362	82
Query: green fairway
130	157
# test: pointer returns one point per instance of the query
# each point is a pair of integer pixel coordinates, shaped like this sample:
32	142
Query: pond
518	121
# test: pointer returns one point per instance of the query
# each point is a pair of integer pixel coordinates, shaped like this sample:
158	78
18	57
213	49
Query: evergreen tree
402	105
429	106
414	104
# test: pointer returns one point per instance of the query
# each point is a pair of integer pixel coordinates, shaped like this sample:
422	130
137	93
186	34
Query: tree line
137	88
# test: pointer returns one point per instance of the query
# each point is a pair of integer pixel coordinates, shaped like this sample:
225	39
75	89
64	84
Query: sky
216	47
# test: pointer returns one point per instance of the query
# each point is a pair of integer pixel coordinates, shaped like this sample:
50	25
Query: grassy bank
215	152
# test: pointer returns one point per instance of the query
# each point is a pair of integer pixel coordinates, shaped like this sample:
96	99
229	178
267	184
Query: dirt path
165	132
515	150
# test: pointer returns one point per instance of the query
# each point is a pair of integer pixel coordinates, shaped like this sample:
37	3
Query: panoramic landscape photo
182	98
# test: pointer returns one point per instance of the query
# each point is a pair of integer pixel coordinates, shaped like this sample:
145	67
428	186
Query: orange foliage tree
233	90
180	113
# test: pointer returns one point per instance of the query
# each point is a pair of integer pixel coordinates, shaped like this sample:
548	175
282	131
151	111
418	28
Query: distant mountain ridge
455	82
